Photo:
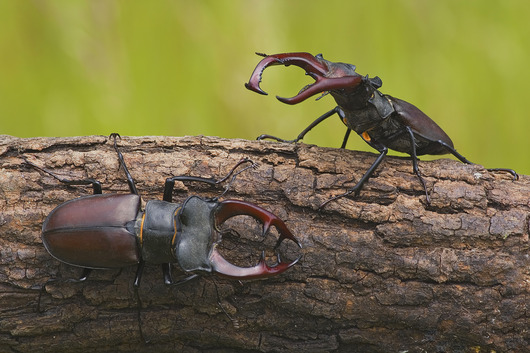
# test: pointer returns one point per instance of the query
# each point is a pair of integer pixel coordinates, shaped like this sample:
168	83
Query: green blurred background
178	67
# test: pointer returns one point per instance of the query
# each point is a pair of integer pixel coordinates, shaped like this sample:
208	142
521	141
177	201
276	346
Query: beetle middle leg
383	150
96	187
168	197
415	162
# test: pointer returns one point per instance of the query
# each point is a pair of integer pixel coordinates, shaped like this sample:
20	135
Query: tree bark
380	272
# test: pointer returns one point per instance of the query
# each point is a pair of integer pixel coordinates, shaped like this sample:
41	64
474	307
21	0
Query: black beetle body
383	121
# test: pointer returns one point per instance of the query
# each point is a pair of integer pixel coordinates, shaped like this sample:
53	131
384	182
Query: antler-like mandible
328	75
220	265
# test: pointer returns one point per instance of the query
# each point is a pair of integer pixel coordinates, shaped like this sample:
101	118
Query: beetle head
196	246
329	76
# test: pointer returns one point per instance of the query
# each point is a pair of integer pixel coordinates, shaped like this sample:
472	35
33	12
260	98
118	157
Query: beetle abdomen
94	231
421	124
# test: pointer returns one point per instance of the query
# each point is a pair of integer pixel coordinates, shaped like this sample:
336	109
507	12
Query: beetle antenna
234	175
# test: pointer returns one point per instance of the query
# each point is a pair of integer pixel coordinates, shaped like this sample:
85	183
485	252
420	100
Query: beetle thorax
157	231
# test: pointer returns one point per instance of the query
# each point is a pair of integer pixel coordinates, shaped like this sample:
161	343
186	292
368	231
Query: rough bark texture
381	272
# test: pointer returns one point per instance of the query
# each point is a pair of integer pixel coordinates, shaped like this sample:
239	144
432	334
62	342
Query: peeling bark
381	272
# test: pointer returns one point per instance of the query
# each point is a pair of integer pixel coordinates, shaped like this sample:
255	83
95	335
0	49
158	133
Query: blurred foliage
178	67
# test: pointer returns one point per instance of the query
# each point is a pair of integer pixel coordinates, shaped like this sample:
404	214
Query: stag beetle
382	121
105	231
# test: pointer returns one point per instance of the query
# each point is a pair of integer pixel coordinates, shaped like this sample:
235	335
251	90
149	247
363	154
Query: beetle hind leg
466	161
84	276
96	185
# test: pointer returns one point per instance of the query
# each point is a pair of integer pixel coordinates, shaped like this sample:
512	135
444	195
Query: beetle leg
306	130
168	280
231	208
235	322
315	66
84	275
130	180
415	163
466	161
96	185
346	137
234	175
136	286
170	182
364	178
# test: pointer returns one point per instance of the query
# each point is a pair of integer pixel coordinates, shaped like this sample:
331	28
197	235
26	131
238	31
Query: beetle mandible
382	121
106	231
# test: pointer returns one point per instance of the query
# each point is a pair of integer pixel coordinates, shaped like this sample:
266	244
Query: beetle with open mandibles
105	231
382	121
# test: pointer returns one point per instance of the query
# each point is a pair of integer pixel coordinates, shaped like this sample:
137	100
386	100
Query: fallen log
380	272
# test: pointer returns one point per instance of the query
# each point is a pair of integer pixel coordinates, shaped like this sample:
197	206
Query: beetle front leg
170	182
300	136
168	280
